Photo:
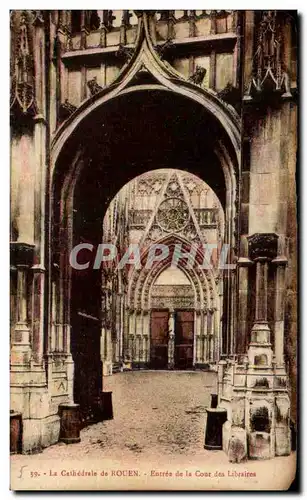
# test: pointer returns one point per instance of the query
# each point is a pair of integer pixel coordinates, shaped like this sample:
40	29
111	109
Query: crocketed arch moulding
145	58
202	280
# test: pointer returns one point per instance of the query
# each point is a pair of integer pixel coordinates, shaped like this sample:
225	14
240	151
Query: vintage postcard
153	249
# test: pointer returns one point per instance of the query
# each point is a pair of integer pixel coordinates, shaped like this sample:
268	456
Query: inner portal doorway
159	339
162	310
184	340
172	339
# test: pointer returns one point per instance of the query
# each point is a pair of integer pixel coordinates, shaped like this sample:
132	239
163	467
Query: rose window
173	214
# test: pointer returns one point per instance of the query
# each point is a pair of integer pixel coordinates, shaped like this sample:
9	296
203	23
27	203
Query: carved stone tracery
22	79
269	74
173	215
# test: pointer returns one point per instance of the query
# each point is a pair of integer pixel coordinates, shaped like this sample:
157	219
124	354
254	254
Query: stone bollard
214	428
70	423
107	406
214	400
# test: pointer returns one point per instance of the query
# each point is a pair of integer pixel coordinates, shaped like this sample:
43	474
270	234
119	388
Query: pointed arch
203	280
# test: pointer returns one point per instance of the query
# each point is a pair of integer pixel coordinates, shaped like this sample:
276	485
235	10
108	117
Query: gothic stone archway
141	125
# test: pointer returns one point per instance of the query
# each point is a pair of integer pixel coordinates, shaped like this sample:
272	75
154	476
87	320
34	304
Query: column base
202	366
234	442
257	400
107	369
139	365
38	434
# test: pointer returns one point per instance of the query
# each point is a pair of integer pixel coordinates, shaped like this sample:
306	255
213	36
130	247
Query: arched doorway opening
141	131
165	309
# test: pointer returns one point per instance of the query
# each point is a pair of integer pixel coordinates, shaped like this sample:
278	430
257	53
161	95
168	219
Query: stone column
121	328
241	335
261	372
138	349
123	27
216	335
152	26
103	27
171	340
131	335
192	26
138	336
260	332
201	338
21	258
84	30
126	332
38	312
262	249
197	338
21	341
205	337
280	263
210	335
145	336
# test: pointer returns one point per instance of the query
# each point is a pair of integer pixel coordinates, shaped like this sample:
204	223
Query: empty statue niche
282	412
261	360
262	383
260	420
281	382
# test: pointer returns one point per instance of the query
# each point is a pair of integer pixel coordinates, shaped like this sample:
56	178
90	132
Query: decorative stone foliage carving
231	95
94	86
198	76
66	109
38	16
139	218
150	184
166	49
173	188
124	53
263	245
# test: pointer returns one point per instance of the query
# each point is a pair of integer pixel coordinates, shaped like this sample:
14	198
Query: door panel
184	339
159	339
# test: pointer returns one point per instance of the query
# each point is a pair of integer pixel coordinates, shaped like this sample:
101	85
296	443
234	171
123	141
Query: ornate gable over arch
147	61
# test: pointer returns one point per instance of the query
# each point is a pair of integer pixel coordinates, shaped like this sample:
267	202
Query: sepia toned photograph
153	250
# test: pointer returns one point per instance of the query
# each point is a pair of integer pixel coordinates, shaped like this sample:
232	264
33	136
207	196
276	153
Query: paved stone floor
159	423
155	413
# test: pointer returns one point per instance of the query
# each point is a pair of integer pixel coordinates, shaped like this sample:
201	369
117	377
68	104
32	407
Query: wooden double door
179	355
